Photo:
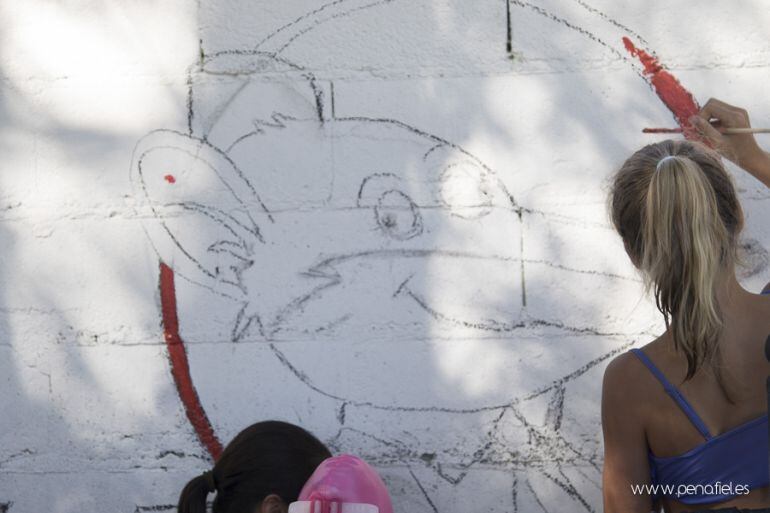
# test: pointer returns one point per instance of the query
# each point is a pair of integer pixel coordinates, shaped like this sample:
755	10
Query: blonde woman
684	418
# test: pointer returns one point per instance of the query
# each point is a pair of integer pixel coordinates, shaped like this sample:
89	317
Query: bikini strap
674	393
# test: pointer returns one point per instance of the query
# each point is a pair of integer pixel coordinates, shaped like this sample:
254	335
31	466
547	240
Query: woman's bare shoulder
626	381
628	365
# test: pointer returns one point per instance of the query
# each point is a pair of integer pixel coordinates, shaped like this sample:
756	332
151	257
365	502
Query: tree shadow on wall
416	267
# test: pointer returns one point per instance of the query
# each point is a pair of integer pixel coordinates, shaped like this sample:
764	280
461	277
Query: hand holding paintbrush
729	131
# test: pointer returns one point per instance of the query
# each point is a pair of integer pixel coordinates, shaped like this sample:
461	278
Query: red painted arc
180	367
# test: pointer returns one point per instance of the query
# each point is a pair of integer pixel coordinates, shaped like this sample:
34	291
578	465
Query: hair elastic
661	161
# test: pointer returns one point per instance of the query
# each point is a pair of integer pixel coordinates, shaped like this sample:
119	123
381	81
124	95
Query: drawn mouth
297	367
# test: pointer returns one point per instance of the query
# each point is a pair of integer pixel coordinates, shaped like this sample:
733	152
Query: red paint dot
170	178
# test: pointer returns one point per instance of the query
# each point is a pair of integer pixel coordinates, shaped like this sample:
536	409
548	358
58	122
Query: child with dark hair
262	470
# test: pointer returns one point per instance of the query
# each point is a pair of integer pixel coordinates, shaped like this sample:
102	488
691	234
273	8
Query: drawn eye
465	190
397	215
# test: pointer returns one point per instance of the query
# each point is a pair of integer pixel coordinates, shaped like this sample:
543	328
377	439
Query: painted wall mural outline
229	266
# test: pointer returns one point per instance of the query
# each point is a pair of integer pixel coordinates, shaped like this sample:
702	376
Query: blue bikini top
717	467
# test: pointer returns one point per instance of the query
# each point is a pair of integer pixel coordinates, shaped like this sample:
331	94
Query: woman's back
744	373
670	432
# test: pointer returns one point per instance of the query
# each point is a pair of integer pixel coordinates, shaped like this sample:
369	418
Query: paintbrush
727	131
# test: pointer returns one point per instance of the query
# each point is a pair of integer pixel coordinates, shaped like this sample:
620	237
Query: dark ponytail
270	457
193	496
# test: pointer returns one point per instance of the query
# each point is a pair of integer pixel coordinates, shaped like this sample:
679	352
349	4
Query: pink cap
346	479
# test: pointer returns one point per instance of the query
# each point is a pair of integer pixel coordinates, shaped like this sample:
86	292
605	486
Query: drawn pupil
397	215
389	220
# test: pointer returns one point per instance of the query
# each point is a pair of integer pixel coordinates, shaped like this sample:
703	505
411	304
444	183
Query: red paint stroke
180	367
170	178
678	99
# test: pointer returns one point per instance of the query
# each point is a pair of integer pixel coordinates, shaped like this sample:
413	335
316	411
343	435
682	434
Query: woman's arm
625	443
739	148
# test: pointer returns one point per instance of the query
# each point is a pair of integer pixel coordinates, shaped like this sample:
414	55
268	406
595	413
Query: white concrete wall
426	275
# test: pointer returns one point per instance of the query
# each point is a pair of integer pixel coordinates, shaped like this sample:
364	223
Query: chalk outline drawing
546	438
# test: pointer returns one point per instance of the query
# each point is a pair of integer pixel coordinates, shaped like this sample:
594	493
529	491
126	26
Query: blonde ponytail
685	244
676	209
